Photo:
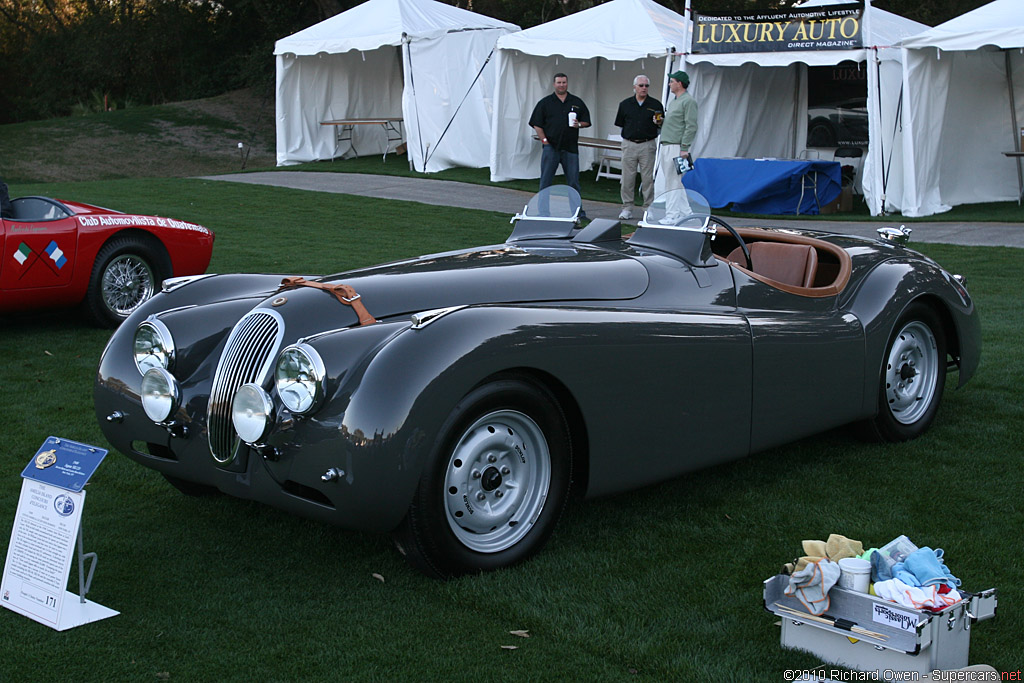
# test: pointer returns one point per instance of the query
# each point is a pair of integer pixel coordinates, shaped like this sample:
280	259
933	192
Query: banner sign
832	27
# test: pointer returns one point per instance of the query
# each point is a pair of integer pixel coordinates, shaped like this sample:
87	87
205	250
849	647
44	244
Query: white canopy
419	60
601	50
754	104
961	109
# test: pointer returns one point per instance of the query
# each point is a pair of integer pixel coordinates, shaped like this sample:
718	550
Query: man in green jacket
677	134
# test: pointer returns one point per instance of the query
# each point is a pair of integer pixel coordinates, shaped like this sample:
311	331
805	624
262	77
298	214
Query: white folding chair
609	165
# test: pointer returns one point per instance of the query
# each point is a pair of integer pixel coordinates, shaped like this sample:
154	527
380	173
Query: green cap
682	77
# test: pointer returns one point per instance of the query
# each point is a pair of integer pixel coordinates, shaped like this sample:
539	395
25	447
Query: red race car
60	253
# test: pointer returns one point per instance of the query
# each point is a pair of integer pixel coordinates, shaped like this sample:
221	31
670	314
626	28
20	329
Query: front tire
495	484
126	273
913	377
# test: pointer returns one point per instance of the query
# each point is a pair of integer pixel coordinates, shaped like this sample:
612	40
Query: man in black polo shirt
639	117
557	120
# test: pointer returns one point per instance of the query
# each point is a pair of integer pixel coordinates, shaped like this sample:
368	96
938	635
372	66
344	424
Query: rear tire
126	273
495	483
912	379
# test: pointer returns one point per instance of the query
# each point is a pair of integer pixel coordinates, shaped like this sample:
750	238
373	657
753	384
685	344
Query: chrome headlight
160	394
153	346
252	413
300	378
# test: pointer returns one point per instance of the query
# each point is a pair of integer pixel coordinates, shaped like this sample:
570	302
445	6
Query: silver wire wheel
497	481
911	373
127	283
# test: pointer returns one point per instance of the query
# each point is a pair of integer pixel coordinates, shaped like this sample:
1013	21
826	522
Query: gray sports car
454	400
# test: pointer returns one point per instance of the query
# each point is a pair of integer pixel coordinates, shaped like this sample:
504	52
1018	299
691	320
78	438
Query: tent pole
801	71
407	53
1013	118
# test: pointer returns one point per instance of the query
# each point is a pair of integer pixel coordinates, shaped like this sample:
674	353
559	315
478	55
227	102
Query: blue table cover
769	186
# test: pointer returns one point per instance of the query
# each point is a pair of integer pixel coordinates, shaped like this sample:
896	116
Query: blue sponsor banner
64	464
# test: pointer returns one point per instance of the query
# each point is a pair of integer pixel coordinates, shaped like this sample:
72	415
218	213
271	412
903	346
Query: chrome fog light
153	346
252	413
160	394
300	378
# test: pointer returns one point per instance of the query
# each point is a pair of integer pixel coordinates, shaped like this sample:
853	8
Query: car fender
183	251
390	387
393	402
884	294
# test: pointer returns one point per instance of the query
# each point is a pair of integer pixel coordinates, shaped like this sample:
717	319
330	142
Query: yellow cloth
836	548
840	547
814	548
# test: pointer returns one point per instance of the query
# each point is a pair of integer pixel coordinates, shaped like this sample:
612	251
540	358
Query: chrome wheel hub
911	373
127	283
497	481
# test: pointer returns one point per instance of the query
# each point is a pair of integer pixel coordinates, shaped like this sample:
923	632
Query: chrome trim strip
306	340
173	283
172	310
424	318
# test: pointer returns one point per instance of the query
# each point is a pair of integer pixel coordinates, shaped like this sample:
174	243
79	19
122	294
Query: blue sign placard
64	464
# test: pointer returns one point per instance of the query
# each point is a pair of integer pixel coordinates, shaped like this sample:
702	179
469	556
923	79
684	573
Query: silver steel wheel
127	283
911	372
497	481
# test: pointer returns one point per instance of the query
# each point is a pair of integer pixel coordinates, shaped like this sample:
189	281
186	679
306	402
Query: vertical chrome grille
247	357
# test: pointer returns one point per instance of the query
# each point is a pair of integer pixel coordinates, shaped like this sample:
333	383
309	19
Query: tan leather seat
791	264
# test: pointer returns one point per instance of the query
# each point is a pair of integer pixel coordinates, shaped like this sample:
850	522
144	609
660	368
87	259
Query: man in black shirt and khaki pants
639	117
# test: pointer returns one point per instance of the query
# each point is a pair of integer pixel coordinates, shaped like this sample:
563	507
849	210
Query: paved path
502	200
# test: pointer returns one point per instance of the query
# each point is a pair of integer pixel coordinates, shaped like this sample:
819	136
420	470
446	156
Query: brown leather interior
791	264
828	276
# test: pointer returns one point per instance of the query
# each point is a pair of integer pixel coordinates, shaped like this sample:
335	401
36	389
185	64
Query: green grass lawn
658	584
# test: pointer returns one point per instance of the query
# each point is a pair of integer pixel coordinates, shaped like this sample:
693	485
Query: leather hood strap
343	293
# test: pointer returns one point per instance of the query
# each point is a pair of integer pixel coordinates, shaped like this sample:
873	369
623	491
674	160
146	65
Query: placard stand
84	582
47	528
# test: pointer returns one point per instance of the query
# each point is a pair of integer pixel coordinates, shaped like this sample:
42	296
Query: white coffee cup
572	119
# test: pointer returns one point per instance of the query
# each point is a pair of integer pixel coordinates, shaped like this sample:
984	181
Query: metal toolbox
866	633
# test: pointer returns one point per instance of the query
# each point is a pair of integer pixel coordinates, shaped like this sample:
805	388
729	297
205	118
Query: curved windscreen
554	201
680	208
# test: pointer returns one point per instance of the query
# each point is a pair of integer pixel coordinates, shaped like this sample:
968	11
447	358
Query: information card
45	531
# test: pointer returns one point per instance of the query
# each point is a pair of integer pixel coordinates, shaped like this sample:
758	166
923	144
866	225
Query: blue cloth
769	186
900	572
927	566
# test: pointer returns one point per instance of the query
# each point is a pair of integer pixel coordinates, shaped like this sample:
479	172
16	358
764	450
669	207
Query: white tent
601	50
419	60
960	109
754	104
